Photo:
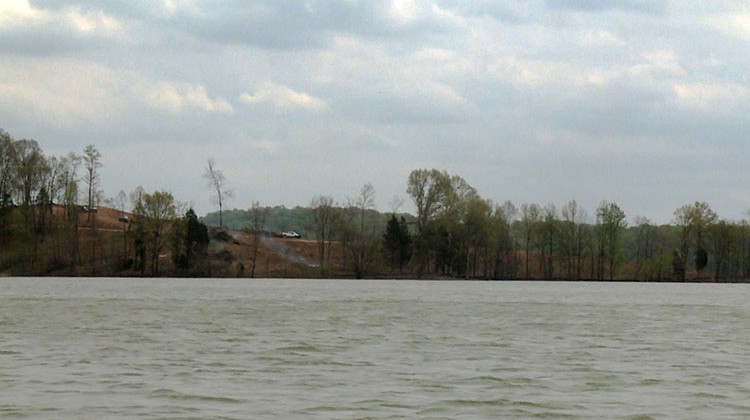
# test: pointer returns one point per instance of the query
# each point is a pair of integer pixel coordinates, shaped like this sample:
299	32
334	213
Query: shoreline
387	278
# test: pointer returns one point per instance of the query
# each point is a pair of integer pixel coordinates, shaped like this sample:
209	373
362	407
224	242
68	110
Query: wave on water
175	395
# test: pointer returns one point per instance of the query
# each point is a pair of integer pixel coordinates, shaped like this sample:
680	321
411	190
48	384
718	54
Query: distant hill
279	219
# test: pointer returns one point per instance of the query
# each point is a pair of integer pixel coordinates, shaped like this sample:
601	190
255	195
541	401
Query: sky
642	103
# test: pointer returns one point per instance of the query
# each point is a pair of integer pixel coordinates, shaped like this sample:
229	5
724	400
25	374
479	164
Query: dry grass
104	249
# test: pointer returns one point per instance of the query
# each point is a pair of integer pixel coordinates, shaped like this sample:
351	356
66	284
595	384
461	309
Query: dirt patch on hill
103	247
276	256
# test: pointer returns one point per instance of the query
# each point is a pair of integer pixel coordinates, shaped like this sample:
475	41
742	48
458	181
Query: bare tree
505	244
548	238
69	191
362	244
121	201
30	166
7	158
257	221
217	182
396	203
477	224
365	201
323	218
530	218
92	163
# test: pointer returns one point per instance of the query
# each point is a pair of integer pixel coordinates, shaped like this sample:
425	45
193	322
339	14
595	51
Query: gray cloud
32	42
635	6
630	101
291	25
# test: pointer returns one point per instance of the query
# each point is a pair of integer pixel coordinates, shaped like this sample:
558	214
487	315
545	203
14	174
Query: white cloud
658	63
283	98
415	84
537	72
62	92
436	54
446	16
94	21
177	97
735	24
16	14
267	146
67	92
403	11
603	38
709	95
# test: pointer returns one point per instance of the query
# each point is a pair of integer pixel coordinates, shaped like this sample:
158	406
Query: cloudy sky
644	103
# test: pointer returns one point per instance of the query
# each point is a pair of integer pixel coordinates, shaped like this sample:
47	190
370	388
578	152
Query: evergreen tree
405	243
392	241
397	242
190	241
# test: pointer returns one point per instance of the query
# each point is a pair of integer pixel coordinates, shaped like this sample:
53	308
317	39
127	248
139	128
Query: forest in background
48	225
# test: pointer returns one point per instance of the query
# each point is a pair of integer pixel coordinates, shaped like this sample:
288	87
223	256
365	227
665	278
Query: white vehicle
290	234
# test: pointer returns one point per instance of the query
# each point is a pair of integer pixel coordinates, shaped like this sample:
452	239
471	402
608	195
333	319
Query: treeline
457	233
30	182
48	223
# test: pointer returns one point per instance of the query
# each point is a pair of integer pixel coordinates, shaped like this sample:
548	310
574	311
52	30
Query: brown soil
277	257
103	248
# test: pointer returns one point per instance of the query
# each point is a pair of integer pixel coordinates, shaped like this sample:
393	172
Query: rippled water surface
238	349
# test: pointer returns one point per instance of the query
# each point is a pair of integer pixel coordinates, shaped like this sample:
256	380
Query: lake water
240	349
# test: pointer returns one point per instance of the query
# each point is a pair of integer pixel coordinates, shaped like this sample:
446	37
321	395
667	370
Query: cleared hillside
102	243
